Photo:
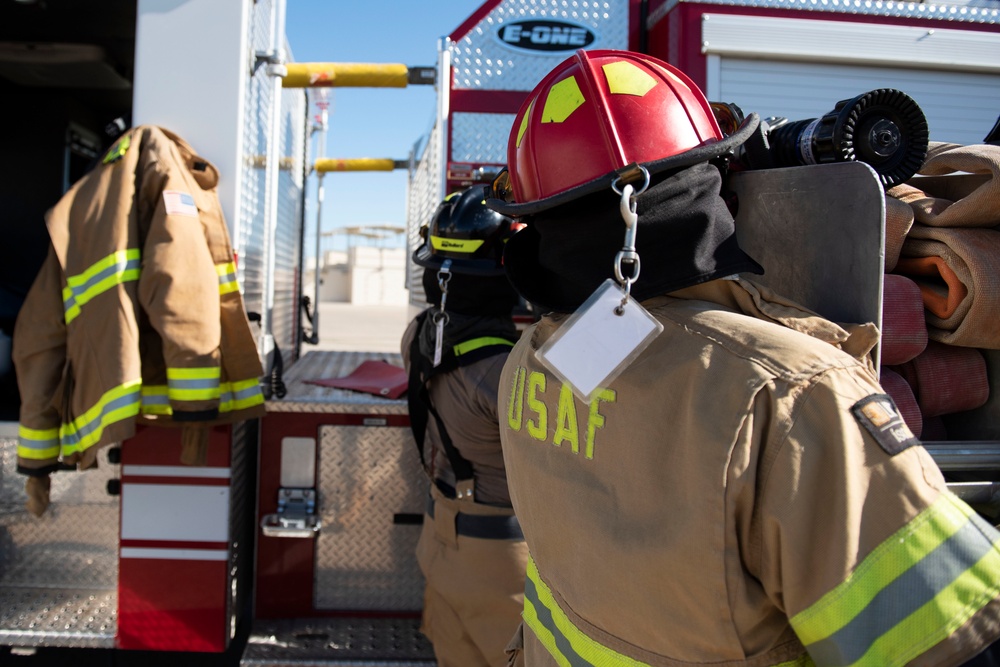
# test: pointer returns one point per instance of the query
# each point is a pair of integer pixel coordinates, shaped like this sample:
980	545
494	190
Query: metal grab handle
283	525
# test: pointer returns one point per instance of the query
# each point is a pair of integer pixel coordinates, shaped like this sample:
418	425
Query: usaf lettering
528	410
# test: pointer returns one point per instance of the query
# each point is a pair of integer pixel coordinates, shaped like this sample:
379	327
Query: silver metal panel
819	246
482	61
970	11
422	199
345	642
304	397
480	137
58	572
804	40
960	107
364	560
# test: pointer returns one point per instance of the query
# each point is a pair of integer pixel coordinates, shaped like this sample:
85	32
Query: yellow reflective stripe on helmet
524	124
227	277
117	268
910	593
115	405
563	99
36	443
193	384
456	245
476	343
624	78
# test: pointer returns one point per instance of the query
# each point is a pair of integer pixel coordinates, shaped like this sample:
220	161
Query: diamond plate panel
304	397
481	61
58	572
347	642
364	560
480	137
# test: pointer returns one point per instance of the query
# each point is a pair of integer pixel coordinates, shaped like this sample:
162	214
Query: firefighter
737	488
471	550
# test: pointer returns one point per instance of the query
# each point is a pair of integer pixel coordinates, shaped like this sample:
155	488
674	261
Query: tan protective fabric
957	202
720	485
172	314
958	271
475	587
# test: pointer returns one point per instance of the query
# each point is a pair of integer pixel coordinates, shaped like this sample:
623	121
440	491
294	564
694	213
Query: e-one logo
546	35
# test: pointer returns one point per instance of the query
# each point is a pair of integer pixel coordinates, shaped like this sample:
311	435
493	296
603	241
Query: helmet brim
423	256
688	158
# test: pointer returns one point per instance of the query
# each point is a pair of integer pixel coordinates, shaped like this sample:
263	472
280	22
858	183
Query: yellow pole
357	164
346	75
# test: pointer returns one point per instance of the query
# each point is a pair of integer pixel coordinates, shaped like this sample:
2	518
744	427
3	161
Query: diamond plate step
341	641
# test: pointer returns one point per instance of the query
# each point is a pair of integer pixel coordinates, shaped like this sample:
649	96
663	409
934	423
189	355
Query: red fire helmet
597	114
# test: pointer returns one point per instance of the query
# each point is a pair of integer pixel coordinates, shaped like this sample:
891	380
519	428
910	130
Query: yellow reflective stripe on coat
227	277
37	444
193	384
233	396
117	404
567	644
240	395
115	269
476	343
910	593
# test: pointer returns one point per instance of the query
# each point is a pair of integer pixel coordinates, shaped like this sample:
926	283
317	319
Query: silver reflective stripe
901	598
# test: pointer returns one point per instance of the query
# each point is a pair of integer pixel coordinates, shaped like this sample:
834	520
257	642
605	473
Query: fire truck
294	544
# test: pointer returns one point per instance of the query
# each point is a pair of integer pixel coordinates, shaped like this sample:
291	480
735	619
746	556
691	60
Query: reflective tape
115	405
193	384
567	644
478	343
233	396
467	246
115	269
227	277
910	593
37	444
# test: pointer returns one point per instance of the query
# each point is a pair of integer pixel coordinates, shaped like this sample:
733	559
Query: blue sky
379	123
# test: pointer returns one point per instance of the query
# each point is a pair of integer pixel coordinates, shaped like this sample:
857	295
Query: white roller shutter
960	96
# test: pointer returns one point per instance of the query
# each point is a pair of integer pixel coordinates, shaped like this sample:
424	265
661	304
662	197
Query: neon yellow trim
117	261
893	557
524	124
515	407
38	454
477	343
566	426
227	277
209	373
98	414
537	428
48	436
936	620
584	646
624	78
564	98
468	246
118	150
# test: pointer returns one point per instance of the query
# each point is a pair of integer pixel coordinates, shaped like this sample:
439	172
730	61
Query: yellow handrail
346	75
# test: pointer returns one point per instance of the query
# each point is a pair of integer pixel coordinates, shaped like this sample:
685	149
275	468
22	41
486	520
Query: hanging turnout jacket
136	312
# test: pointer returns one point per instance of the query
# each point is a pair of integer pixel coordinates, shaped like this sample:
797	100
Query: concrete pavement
364	328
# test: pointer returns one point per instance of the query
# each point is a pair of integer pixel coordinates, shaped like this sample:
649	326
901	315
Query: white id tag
595	344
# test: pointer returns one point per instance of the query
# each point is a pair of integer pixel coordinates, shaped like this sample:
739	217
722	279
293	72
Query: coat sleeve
870	556
39	356
179	290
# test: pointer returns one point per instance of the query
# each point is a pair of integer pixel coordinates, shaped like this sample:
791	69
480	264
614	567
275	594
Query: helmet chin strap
441	316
